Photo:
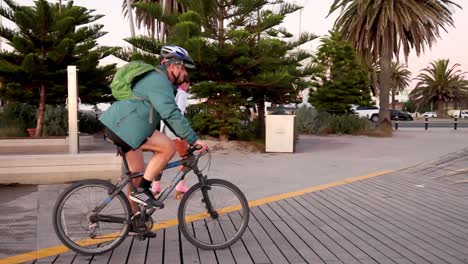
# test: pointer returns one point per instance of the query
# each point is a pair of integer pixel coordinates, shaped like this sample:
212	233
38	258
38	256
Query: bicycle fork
206	199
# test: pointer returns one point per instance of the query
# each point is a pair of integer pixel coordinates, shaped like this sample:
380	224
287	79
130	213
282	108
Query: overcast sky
452	45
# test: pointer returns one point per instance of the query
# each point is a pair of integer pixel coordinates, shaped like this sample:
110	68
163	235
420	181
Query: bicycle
102	225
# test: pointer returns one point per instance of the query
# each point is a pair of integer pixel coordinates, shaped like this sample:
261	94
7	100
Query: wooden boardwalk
417	215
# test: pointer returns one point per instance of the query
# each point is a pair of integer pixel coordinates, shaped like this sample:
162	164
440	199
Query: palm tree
372	69
382	28
440	84
147	10
401	78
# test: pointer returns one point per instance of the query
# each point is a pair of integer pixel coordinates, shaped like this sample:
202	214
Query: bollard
396	124
455	124
426	125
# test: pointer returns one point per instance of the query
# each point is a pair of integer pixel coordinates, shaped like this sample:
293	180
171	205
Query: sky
312	19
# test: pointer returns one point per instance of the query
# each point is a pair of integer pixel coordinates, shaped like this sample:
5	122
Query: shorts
118	141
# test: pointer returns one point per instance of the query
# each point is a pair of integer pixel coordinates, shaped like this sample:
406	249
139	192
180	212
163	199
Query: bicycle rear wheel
82	230
221	228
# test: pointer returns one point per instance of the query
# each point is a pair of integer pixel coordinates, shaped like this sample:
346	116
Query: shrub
55	121
311	121
235	124
347	124
12	128
89	123
16	118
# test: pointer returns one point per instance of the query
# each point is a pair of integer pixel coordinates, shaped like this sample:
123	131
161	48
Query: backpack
125	78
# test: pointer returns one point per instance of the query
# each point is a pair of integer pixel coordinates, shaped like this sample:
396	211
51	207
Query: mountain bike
92	217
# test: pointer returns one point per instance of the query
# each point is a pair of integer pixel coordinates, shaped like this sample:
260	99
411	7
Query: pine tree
242	56
342	80
44	43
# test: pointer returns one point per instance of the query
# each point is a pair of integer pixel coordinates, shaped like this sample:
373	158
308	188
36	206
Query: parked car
400	115
430	114
370	112
460	114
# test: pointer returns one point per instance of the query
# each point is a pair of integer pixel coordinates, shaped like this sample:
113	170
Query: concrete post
73	144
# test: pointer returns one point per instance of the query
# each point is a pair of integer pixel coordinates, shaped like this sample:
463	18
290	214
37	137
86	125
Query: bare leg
136	164
165	149
181	146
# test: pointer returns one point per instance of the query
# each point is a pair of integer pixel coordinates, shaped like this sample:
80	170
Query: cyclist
181	145
134	123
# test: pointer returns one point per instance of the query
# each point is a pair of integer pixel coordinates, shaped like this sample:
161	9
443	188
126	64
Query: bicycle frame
190	162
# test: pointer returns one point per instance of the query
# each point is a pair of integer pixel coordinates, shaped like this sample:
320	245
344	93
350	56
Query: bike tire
231	223
90	246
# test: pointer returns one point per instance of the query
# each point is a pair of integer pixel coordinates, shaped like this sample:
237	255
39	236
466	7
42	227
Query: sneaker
145	197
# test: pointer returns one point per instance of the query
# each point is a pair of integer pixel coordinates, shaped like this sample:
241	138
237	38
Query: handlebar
191	149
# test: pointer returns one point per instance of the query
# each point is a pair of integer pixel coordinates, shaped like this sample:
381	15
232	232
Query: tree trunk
440	108
41	110
221	26
261	118
393	98
385	83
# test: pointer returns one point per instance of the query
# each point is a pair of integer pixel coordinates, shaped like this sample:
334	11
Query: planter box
58	168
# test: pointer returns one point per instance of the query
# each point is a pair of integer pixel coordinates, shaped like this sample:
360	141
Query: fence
456	122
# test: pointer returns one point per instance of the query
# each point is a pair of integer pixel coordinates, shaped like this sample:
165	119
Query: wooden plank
253	247
430	211
437	184
386	227
435	254
138	251
269	246
432	229
216	234
120	254
373	247
453	205
369	225
238	249
206	256
66	258
440	203
319	231
189	251
82	259
171	245
155	252
327	227
291	254
299	228
302	248
47	260
104	258
421	220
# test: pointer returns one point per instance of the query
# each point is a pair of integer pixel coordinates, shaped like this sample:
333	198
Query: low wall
58	168
42	145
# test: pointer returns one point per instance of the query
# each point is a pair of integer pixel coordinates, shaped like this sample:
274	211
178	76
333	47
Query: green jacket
134	120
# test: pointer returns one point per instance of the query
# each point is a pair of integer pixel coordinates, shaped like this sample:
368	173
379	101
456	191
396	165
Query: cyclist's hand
202	144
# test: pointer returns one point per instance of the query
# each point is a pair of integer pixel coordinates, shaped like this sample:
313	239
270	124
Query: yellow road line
51	251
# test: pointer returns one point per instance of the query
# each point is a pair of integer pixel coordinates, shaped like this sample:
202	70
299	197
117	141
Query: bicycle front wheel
80	228
221	227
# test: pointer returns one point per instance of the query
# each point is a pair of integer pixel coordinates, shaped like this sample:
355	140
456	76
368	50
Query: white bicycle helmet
174	54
